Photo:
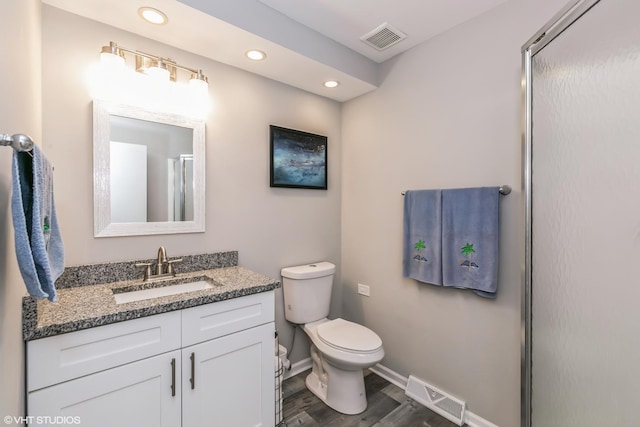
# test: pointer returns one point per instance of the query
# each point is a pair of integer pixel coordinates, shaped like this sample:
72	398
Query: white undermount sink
161	291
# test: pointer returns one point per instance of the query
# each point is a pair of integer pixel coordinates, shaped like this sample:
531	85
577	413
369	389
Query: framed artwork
298	159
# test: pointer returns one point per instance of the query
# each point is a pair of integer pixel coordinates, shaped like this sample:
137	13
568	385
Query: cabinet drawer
225	317
63	357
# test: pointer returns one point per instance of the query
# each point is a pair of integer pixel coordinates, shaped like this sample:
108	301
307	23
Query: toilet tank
307	291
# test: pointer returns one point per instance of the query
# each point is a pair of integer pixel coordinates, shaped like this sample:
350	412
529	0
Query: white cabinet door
229	381
140	394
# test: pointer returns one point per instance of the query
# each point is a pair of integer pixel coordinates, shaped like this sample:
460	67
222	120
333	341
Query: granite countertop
87	306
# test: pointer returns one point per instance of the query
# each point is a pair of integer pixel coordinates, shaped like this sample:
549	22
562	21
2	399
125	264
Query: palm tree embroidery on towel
467	250
420	246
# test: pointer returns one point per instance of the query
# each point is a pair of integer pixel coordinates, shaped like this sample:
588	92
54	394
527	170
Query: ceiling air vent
383	37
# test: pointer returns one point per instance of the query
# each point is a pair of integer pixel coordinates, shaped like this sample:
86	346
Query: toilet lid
348	336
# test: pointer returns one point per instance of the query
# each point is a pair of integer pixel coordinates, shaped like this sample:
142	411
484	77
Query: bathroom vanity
198	358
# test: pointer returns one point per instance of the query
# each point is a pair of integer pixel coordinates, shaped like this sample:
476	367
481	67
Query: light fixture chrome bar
115	49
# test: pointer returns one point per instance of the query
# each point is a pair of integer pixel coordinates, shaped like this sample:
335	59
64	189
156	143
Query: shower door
581	353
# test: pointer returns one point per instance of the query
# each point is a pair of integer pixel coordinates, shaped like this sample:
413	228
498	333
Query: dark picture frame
298	159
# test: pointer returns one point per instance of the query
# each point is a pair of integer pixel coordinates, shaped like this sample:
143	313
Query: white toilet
340	349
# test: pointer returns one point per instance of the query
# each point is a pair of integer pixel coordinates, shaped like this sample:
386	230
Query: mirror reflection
151	172
148	172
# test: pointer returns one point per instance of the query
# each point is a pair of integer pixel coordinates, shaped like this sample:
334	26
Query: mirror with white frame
149	171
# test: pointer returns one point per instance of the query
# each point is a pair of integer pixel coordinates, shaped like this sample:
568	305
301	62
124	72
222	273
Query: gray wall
447	115
271	228
19	113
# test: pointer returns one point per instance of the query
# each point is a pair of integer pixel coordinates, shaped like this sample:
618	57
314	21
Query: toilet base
340	390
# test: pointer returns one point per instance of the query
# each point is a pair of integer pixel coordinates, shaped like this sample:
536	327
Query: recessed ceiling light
256	55
331	83
153	16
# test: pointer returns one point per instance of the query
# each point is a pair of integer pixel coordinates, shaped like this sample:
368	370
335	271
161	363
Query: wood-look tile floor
387	407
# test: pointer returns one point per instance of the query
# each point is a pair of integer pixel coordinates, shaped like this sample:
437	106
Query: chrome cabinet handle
193	371
173	377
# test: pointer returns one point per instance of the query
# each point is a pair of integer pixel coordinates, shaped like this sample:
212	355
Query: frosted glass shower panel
586	222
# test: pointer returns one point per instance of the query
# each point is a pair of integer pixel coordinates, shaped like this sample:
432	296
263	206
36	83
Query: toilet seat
348	336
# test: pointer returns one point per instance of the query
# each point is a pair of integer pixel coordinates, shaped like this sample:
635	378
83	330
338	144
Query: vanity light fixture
255	55
111	56
199	81
159	70
331	83
156	66
154	16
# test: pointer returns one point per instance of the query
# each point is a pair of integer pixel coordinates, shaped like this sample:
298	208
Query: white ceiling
348	20
307	42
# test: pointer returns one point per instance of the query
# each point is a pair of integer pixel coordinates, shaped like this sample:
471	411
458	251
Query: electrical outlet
363	290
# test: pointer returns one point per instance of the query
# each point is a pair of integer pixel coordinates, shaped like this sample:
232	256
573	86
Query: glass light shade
112	61
111	57
159	71
198	85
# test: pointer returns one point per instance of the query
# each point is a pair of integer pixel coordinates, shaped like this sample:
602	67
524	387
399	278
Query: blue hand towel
37	236
470	237
421	258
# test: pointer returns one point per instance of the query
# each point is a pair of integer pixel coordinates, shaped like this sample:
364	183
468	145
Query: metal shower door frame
559	23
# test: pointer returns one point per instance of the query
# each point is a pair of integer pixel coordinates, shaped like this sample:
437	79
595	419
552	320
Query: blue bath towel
37	236
421	257
470	237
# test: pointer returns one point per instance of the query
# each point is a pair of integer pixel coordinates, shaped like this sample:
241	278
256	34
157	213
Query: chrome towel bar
504	190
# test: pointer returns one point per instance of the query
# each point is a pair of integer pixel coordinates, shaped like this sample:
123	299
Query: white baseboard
470	419
473	420
389	375
298	367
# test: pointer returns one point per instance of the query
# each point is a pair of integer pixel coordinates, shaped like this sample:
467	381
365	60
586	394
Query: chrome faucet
162	260
164	266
